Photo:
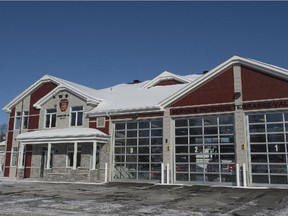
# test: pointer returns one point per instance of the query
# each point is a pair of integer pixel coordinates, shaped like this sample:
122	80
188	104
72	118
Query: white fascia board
26	92
44	99
60	88
198	82
65	140
123	111
220	68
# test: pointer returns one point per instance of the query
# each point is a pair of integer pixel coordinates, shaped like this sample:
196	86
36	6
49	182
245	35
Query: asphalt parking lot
19	197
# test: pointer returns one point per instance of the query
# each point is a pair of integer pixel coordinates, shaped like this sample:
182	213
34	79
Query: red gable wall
218	90
168	82
259	86
40	92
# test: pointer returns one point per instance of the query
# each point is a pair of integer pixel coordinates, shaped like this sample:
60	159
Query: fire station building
228	126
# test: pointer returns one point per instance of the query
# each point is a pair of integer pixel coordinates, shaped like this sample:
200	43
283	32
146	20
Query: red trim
28	159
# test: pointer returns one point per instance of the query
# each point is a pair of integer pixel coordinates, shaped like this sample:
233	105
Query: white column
75	155
48	156
106	172
21	155
94	155
162	173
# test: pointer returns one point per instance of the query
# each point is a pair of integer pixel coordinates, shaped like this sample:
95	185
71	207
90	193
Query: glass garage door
204	149
268	147
138	150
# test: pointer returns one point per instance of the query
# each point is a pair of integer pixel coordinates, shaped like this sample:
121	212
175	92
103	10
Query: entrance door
27	160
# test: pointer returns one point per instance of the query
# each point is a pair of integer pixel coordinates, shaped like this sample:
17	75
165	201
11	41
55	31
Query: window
50	120
14	156
76	116
17	121
101	122
25	120
70	156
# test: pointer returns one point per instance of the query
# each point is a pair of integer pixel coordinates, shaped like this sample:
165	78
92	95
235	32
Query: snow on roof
62	133
133	97
3	143
90	92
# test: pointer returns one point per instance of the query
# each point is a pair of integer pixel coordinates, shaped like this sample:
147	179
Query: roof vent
135	81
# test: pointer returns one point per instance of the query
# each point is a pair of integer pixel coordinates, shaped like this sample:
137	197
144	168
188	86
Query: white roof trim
163	77
265	68
44	79
62	135
125	111
60	88
26	92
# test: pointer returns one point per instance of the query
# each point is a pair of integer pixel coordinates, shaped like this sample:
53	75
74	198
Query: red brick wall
93	124
40	92
218	90
259	86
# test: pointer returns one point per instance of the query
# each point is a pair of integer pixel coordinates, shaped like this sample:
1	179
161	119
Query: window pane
275	117
212	120
47	123
73	119
181	122
80	119
256	118
195	122
226	119
77	108
257	128
53	123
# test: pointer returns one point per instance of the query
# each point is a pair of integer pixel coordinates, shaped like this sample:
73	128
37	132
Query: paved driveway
34	198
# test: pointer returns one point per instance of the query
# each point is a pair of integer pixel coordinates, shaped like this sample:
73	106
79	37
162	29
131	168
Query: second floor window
76	116
50	118
25	120
17	121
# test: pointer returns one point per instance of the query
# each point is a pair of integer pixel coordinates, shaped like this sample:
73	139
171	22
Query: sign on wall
63	105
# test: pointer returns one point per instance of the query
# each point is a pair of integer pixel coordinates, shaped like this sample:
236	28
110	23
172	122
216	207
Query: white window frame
50	118
17	116
76	117
101	122
25	114
14	154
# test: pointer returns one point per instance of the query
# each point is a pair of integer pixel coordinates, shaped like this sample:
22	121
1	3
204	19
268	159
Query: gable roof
88	93
166	75
124	98
260	66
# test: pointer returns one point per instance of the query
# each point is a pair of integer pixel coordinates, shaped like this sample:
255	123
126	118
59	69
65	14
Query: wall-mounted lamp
237	95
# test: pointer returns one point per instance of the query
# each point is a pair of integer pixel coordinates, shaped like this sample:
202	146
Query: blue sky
99	44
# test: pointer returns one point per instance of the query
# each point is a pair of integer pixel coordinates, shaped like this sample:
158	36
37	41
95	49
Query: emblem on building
63	105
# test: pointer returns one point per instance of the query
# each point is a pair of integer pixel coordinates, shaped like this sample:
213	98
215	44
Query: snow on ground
23	197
